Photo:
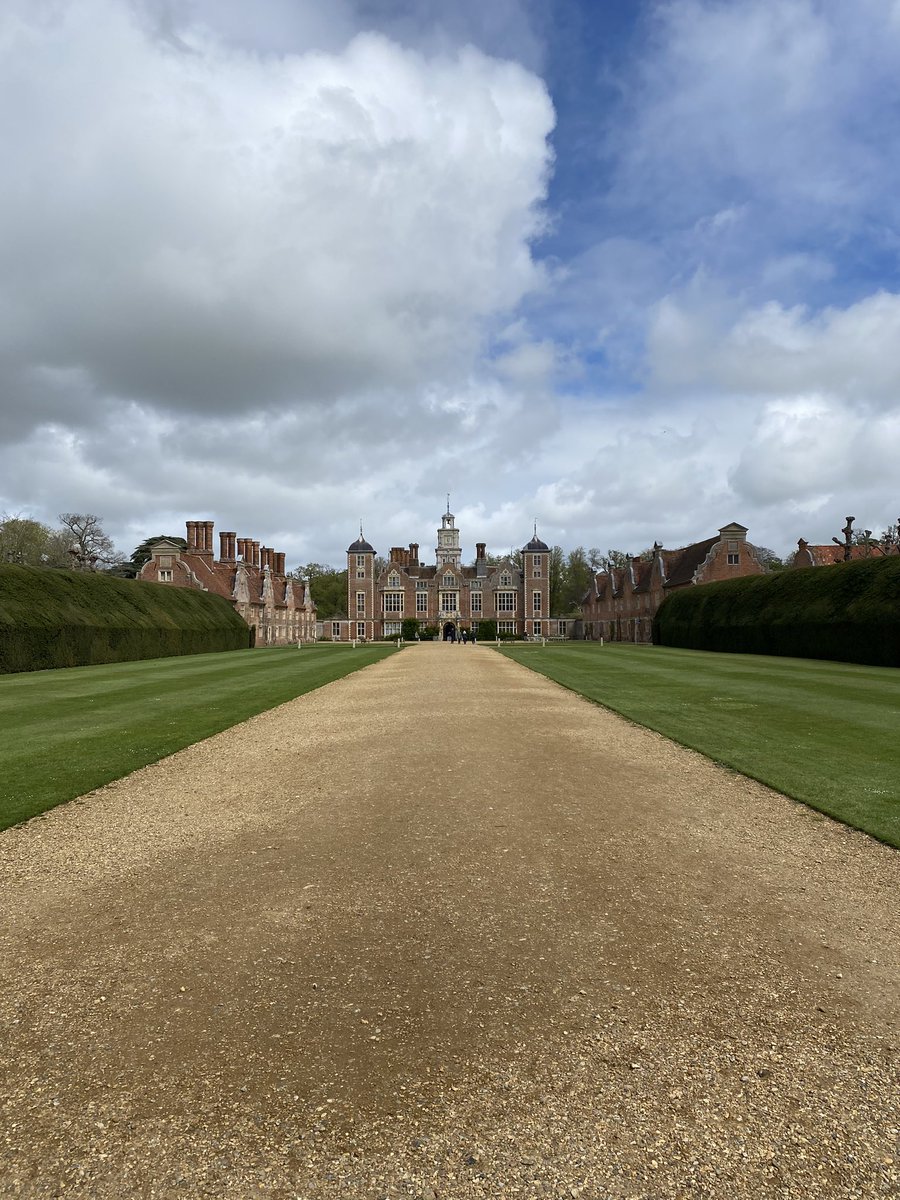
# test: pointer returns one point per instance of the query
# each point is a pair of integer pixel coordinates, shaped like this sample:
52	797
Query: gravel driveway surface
444	930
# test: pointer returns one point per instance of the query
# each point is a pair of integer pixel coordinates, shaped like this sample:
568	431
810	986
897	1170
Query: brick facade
622	601
825	556
452	597
251	576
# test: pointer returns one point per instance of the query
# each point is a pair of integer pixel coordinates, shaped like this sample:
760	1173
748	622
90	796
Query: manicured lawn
826	733
66	732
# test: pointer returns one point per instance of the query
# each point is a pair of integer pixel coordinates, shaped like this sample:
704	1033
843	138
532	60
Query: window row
392	602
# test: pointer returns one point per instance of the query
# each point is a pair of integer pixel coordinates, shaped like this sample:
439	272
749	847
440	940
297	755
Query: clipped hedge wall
77	618
849	612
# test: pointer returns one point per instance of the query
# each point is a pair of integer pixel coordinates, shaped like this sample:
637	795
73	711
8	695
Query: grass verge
825	733
66	732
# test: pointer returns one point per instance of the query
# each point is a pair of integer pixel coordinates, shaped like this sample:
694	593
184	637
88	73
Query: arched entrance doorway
449	632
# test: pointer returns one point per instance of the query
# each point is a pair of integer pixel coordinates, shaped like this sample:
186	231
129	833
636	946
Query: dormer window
448	580
393	580
505	579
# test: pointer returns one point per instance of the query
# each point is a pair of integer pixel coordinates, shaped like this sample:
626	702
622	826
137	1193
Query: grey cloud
212	231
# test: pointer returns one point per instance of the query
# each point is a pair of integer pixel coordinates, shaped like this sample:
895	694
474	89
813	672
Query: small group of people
459	635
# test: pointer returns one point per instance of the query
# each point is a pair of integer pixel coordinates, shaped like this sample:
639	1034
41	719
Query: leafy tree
328	587
89	547
32	544
577	580
769	559
557	577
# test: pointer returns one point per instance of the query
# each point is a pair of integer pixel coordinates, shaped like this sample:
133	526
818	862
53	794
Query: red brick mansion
622	601
448	596
251	576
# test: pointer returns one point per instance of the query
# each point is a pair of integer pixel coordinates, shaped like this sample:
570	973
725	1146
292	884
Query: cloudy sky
630	269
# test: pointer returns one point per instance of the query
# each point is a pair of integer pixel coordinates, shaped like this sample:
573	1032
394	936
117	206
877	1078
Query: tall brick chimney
227	547
413	554
480	550
279	563
254	553
200	537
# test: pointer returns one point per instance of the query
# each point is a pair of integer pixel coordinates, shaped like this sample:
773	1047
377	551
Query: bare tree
90	547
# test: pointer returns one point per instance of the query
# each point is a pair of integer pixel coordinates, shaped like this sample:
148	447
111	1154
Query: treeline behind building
77	618
849	612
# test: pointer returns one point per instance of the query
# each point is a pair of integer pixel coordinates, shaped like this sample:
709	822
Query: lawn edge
807	804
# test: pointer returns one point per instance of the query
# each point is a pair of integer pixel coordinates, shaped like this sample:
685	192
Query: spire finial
360	529
535	528
448	504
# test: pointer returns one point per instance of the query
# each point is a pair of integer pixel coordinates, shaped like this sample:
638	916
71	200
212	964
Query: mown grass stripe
68	731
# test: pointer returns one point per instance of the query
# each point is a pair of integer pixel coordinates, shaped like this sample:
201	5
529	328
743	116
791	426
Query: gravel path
442	929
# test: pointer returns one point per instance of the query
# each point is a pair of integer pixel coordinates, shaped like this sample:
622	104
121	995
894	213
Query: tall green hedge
849	612
76	618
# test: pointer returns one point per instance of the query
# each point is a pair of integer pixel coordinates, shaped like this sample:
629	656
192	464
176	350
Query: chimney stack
480	548
227	547
254	553
279	563
413	554
200	537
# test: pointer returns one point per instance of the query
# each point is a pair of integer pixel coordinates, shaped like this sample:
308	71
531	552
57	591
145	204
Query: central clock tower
448	552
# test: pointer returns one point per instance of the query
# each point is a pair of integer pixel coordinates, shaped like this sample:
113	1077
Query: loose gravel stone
444	930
